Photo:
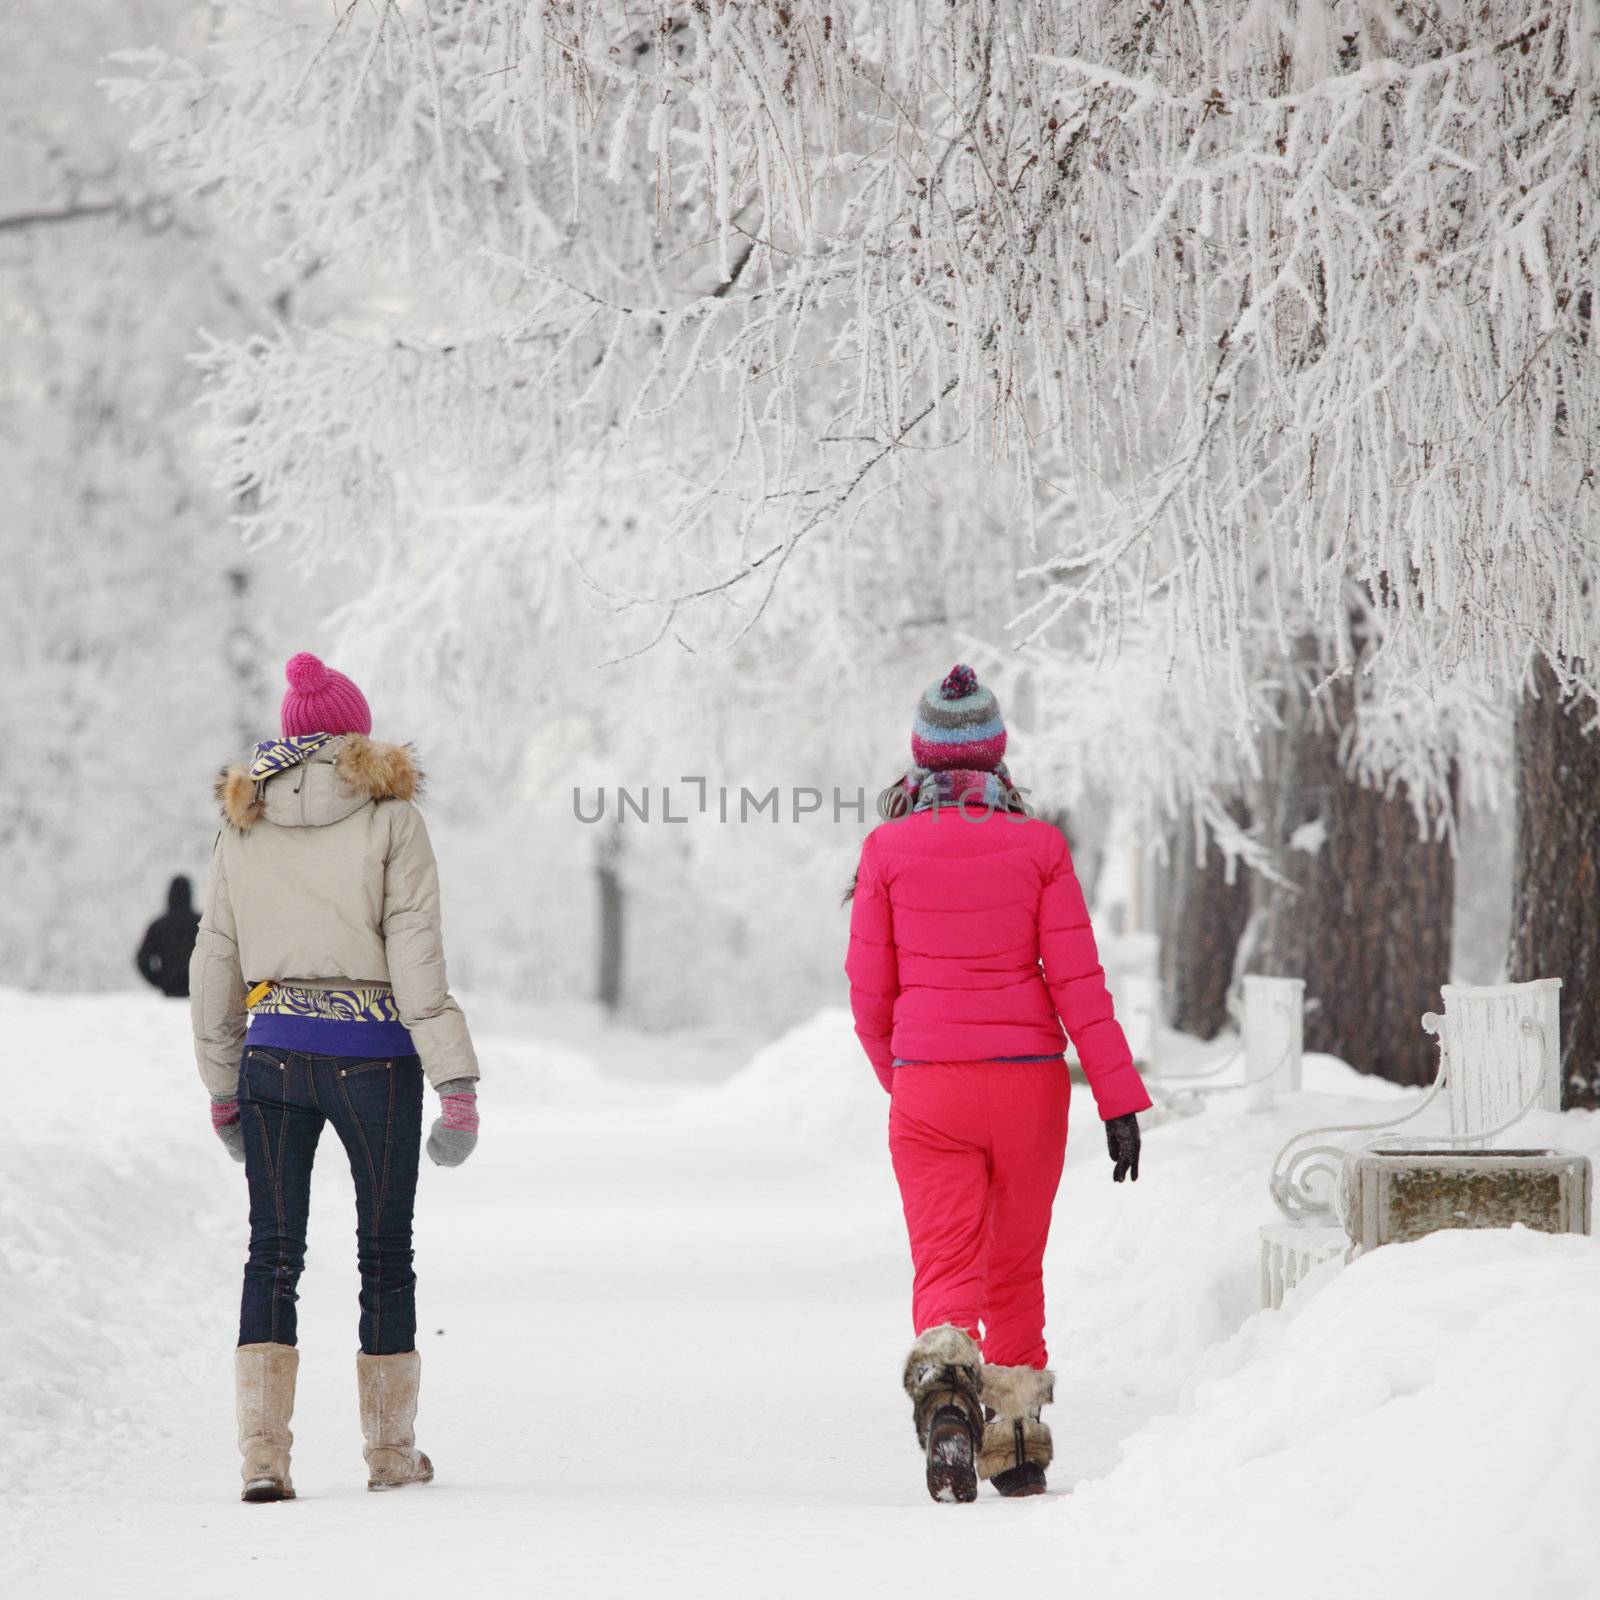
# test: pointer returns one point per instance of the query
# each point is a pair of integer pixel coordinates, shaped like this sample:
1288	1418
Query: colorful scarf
273	756
960	786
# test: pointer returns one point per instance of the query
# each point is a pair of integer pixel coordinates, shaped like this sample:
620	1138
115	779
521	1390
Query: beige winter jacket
324	875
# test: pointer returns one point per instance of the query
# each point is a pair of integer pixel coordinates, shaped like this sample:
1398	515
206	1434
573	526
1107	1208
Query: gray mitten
454	1135
226	1124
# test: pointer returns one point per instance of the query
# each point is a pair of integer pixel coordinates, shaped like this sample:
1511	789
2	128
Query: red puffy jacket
970	941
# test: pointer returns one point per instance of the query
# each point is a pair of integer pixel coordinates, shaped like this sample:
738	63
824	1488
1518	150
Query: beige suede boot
263	1385
388	1386
1016	1447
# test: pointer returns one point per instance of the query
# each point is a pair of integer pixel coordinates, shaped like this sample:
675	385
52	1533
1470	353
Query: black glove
1122	1140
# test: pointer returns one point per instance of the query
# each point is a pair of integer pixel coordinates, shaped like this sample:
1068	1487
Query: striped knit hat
321	700
958	725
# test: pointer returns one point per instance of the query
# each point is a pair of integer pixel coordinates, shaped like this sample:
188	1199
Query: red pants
977	1149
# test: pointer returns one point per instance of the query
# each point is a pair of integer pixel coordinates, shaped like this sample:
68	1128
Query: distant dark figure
163	958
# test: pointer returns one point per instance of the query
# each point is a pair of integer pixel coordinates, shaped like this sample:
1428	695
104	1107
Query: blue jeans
375	1107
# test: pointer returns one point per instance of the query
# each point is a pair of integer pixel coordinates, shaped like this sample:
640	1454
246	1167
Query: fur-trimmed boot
388	1386
1016	1444
942	1376
263	1388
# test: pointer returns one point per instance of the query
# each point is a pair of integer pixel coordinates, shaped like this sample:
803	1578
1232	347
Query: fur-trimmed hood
315	781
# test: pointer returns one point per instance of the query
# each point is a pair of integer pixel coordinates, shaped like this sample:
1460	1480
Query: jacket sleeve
414	944
1077	984
216	987
872	966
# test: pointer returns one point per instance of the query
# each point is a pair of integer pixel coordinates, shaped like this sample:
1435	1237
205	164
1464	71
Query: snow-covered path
661	1330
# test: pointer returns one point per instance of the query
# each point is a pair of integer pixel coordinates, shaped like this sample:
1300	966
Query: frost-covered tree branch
1259	305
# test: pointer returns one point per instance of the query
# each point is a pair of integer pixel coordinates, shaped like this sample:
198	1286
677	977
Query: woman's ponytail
895	801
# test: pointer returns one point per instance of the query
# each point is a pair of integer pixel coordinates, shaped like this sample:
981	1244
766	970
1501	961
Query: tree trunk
1203	917
1366	914
1555	910
1085	830
613	906
252	695
1486	842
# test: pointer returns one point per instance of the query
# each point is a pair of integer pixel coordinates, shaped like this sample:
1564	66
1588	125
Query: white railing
1500	1058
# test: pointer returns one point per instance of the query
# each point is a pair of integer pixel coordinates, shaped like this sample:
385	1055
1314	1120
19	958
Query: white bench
1270	1013
1500	1058
1289	1250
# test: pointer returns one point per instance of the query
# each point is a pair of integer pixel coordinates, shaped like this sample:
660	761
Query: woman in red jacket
970	947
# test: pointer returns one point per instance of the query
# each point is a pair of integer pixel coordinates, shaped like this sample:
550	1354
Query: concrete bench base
1389	1196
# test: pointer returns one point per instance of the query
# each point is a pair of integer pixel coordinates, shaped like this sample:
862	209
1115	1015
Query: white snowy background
629	394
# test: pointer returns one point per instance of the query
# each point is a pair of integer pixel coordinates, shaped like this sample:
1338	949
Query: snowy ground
662	1323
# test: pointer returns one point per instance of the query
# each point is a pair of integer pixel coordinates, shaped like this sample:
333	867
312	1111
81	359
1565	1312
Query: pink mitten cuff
459	1112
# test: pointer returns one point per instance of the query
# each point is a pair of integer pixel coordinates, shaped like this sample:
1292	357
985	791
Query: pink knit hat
321	700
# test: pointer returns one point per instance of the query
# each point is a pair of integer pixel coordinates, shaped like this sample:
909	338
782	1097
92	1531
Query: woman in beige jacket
319	996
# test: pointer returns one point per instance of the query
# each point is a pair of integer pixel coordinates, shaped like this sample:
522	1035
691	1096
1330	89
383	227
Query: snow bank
811	1087
530	1075
1189	1227
1423	1422
95	1250
1153	1292
117	1204
107	1220
707	1054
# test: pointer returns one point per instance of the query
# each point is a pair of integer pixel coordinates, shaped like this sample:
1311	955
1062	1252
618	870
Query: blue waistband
328	1036
991	1061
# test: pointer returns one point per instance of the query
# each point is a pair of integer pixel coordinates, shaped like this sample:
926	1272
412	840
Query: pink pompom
306	674
959	682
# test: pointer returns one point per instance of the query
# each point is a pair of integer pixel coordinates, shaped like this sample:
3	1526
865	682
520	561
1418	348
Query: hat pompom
306	674
959	682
